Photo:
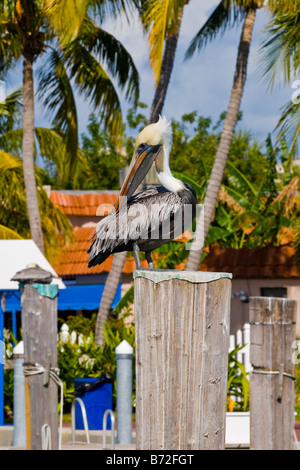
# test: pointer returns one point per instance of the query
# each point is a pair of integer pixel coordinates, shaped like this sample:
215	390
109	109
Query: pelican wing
155	214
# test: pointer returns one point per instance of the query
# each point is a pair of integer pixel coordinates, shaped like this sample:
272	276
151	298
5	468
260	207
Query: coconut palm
280	62
29	32
163	20
13	214
219	20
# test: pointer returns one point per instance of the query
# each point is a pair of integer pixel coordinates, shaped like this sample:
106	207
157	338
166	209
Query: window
274	292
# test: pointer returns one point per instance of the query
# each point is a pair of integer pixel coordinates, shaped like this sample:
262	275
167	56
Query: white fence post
242	337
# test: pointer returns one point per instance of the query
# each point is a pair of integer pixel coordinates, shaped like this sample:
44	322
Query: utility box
96	394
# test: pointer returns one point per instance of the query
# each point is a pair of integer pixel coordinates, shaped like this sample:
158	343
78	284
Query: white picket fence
242	337
65	335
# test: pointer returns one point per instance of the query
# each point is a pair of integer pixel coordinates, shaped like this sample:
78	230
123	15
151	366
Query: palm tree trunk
108	295
166	71
114	275
216	177
28	154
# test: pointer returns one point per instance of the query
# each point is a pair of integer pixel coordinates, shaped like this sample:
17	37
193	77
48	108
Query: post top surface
124	348
159	275
33	273
19	348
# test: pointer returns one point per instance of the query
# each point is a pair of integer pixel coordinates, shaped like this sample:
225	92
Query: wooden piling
272	333
182	340
39	327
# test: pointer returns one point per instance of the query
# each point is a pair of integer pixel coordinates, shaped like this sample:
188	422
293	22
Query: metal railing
84	417
112	417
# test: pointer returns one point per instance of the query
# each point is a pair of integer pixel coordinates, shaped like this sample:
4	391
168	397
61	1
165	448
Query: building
270	272
256	272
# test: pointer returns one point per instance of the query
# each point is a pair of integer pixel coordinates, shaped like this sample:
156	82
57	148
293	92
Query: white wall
240	311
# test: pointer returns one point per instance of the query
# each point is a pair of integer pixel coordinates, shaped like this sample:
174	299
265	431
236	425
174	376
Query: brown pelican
146	220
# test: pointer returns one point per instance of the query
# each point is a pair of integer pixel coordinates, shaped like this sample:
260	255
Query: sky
201	84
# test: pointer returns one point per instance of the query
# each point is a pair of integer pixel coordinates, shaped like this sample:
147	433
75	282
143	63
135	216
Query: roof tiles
274	262
84	204
73	260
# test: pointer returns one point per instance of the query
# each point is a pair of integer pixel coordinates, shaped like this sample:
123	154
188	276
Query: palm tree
229	122
280	61
30	31
13	214
219	20
163	19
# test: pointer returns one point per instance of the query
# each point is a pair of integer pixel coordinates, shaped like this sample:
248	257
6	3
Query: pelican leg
149	259
136	257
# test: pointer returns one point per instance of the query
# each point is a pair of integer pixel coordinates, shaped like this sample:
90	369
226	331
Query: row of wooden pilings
182	339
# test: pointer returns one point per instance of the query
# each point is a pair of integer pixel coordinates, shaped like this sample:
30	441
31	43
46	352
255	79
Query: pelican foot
149	259
136	257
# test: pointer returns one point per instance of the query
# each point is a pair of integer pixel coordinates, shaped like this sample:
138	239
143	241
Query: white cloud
202	83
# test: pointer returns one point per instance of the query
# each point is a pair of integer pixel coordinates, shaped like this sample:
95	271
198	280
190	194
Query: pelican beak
141	162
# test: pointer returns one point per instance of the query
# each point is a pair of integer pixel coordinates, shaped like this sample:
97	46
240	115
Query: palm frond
95	84
226	15
161	17
66	17
109	51
289	127
52	147
11	141
7	233
13	212
11	110
56	93
112	8
125	301
280	51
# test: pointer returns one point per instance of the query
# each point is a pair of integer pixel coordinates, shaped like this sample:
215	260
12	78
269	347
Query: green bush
85	359
297	385
9	343
237	383
79	323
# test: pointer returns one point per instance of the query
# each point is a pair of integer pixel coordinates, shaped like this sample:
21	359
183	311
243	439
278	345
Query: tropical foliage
83	358
35	33
237	383
280	63
13	210
260	209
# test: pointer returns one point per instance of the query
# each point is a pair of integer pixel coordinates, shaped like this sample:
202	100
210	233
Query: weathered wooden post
39	326
272	333
182	341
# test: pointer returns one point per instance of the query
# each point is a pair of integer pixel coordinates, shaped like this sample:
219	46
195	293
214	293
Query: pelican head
152	142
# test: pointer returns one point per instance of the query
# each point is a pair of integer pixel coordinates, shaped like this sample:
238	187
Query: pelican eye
143	146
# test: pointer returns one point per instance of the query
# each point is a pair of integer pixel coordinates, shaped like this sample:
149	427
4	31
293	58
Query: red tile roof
276	262
74	259
82	204
259	263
